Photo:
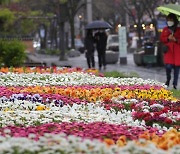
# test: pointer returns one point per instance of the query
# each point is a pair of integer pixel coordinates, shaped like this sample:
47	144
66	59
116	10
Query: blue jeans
169	68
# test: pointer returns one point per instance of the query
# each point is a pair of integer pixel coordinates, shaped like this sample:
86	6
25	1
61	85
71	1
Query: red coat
173	54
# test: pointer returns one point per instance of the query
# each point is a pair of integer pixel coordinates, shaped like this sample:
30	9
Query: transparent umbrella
170	8
98	24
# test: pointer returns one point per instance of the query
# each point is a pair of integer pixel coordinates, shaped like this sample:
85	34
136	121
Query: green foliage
4	2
53	52
6	19
117	74
62	1
27	26
176	93
12	53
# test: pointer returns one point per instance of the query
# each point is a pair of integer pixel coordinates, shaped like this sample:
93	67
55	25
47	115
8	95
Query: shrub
49	51
12	53
52	51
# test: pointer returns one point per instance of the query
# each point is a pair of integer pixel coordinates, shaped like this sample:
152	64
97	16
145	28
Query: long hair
174	18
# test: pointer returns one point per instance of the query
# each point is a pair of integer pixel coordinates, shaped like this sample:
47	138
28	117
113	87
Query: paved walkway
155	73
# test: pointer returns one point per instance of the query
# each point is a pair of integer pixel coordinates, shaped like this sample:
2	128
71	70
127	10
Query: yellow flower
40	108
7	109
117	89
124	93
116	94
92	99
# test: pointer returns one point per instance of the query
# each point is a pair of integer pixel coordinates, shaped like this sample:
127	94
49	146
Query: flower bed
71	110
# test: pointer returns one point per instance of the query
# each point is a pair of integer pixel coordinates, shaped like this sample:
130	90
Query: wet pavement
145	72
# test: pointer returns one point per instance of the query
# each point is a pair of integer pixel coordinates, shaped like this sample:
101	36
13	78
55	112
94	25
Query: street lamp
119	25
80	17
80	25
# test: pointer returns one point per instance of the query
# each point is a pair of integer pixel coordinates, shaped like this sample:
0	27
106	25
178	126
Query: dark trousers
90	59
169	68
101	58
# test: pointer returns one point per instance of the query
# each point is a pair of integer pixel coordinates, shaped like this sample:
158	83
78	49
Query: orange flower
168	140
67	92
92	99
121	141
146	135
4	69
163	145
109	142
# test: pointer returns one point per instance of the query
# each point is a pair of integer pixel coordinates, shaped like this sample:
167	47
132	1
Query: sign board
122	42
161	24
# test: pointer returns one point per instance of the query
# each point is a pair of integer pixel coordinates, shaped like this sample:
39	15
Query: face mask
170	23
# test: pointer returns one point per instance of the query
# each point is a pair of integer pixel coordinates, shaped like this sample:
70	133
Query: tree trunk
139	28
154	21
72	32
61	41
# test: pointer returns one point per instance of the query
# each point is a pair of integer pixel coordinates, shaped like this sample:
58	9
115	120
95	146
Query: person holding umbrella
89	46
100	39
170	36
101	42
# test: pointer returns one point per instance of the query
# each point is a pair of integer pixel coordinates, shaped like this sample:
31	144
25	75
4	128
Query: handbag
164	48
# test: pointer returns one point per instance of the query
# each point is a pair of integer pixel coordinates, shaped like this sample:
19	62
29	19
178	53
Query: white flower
7	131
163	115
157	106
74	78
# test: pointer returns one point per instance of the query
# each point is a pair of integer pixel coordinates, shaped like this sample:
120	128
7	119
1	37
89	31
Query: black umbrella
98	24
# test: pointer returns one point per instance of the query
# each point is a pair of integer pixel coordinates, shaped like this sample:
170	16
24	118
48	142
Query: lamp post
89	11
80	25
62	17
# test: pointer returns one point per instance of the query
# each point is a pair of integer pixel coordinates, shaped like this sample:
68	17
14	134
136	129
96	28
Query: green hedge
12	53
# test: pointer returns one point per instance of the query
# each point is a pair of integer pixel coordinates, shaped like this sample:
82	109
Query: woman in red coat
170	36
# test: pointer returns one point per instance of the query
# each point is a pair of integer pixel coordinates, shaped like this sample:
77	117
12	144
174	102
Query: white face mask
170	23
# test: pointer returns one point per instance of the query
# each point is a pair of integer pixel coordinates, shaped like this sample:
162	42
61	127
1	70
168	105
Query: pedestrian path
155	73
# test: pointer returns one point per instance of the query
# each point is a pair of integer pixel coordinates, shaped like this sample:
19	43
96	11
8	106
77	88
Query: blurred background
56	26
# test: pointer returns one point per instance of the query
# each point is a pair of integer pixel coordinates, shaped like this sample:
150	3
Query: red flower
168	121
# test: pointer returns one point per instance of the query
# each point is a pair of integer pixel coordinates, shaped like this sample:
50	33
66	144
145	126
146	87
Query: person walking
101	42
89	46
170	36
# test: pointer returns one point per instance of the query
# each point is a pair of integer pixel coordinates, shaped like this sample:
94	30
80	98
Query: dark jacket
101	40
89	43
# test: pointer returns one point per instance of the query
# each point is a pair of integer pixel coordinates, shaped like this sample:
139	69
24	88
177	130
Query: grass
176	93
117	74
